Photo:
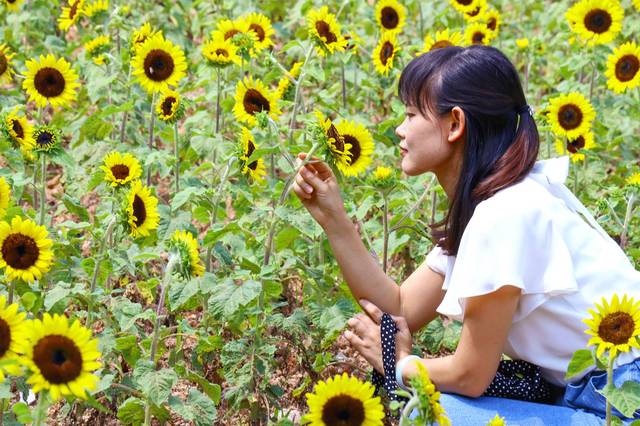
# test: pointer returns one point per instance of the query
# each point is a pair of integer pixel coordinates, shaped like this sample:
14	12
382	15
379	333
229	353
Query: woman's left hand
364	335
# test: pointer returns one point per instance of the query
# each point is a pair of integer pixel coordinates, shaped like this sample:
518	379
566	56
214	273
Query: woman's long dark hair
501	138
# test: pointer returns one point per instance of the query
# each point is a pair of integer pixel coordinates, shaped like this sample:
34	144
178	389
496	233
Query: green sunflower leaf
581	360
626	398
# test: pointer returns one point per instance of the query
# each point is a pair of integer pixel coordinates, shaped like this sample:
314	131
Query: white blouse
531	236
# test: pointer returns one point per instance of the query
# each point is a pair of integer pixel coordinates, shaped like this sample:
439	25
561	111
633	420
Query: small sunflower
227	29
464	6
430	410
284	84
6	55
120	169
141	35
570	115
475	14
497	421
97	48
70	14
61	357
20	131
50	80
385	53
142	210
5	196
337	150
187	245
596	21
95	7
25	249
634	180
220	52
13	329
614	325
492	19
261	26
252	97
382	176
623	68
391	15
361	141
12	5
576	146
522	43
158	64
46	139
477	33
325	30
441	39
256	169
170	107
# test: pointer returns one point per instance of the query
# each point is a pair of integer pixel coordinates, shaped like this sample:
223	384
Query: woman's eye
409	114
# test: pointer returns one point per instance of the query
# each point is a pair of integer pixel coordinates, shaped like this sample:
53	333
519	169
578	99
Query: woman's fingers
359	324
372	310
320	167
354	339
303	185
313	180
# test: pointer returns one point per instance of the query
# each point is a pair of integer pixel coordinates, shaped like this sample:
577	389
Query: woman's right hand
316	186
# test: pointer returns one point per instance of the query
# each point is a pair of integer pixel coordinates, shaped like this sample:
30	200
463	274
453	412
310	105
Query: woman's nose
400	131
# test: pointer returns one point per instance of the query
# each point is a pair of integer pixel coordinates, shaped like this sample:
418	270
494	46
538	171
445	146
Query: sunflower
50	79
430	410
356	135
60	356
142	209
6	55
256	169
227	28
5	195
158	64
391	15
636	3
25	249
20	131
13	329
220	52
325	30
343	400
261	26
634	180
12	5
385	52
187	245
120	169
478	33
570	115
576	146
475	14
614	325
623	68
596	21
496	421
382	177
141	35
337	150
491	17
97	47
70	14
440	40
252	97
95	7
170	107
522	43
464	6
46	139
284	84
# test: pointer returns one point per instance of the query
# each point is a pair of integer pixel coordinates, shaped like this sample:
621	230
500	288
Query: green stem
176	153
406	412
12	286
35	184
96	268
385	225
344	87
43	181
609	383
41	410
216	201
150	142
627	220
125	114
296	97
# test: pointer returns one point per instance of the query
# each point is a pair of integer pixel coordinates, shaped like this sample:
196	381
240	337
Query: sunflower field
155	267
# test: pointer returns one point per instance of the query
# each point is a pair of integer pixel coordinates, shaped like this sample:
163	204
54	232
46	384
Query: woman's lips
403	152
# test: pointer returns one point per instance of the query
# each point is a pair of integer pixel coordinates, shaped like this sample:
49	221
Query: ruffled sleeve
437	260
510	240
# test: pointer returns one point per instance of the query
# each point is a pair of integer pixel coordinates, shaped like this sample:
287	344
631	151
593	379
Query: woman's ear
456	125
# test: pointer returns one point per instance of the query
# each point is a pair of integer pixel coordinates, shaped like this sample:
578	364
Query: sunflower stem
344	87
150	143
216	200
288	185
385	229
176	153
408	407
43	181
35	184
125	114
609	383
627	219
10	292
41	410
297	92
96	268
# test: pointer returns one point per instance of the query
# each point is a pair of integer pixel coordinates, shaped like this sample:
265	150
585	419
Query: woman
514	260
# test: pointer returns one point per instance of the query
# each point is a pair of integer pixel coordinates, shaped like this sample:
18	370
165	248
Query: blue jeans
581	405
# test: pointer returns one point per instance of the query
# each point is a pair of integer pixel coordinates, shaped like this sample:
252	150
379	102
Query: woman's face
424	143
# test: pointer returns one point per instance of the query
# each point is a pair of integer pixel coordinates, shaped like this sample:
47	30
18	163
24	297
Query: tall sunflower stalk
151	129
176	153
105	242
216	201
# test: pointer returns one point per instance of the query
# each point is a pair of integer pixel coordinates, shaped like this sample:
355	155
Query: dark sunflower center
120	171
5	337
575	145
58	358
464	2
250	148
478	37
11	1
389	18
254	102
158	65
73	10
597	21
339	141
167	106
49	82
17	128
440	44
20	251
626	67
325	31
222	52
569	116
229	34
139	211
355	149
386	52
44	139
616	328
492	24
474	12
3	63
258	30
343	410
